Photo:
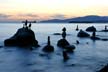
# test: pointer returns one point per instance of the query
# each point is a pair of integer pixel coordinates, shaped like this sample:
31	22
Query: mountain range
84	19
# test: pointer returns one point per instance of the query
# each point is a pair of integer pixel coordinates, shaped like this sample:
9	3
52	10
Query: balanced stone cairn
63	42
48	47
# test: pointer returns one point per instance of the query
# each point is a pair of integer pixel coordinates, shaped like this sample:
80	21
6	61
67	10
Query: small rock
57	34
83	34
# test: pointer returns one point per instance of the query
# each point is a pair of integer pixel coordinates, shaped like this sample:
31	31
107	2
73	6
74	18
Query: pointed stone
48	47
77	28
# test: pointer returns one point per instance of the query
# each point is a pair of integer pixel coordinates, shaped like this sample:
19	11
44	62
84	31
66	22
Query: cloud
58	16
3	16
28	15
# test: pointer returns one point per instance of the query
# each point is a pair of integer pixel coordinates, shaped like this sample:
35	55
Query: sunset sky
49	9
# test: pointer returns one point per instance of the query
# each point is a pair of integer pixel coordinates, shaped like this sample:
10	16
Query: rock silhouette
104	69
25	24
57	34
105	27
105	30
93	37
83	34
65	56
63	42
29	26
69	48
77	42
91	29
48	47
77	28
23	37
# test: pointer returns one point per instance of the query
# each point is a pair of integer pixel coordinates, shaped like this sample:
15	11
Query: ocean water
86	58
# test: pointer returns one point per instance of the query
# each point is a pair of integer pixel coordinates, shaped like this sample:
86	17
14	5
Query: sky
50	9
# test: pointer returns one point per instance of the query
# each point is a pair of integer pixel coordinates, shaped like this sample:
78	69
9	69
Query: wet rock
61	34
48	47
91	29
105	30
104	39
23	37
62	43
64	33
77	28
83	34
57	34
77	42
93	37
69	48
104	69
1	46
65	56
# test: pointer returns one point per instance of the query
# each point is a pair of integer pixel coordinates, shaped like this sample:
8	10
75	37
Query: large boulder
62	43
83	34
91	29
23	37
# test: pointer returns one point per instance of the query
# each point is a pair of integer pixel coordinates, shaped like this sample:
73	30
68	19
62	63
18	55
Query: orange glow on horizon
45	9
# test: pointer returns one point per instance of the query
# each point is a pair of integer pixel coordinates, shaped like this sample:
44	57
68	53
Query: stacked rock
48	47
63	42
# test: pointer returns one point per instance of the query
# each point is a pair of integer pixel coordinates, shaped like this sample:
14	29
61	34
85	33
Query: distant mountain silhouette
54	21
84	19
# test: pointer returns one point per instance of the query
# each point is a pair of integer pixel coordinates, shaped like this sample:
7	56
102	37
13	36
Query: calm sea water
86	57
